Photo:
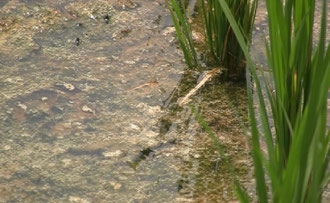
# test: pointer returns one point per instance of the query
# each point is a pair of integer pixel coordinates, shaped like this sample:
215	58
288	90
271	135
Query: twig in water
151	83
206	78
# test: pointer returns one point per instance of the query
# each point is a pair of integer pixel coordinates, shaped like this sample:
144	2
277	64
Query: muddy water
88	108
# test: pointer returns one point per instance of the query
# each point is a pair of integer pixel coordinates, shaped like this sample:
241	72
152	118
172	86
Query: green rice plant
183	29
297	158
221	39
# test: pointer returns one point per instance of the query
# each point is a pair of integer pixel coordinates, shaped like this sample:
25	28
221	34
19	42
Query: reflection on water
88	111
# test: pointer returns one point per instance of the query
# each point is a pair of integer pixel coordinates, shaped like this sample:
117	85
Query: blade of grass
183	33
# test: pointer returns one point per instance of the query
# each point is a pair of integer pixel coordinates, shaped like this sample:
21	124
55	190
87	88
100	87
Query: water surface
88	108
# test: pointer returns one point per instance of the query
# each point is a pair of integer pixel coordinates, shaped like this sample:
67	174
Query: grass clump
180	18
221	41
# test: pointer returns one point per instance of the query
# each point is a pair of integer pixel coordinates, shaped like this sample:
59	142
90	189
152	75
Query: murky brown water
88	108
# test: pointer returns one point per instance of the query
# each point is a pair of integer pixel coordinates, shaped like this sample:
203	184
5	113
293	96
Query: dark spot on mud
182	184
106	19
145	153
79	24
77	41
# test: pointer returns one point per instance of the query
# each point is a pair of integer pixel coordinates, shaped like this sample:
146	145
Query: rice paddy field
89	107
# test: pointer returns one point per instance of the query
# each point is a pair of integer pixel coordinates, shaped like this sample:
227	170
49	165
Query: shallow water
88	108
